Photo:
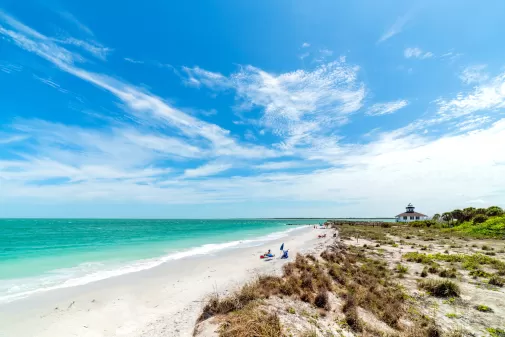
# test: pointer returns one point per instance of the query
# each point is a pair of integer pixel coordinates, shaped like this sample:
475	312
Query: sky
223	109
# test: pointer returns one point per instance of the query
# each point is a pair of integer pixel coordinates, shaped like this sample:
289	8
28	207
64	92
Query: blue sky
250	108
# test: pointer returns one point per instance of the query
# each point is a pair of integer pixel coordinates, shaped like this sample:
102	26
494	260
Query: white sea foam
84	273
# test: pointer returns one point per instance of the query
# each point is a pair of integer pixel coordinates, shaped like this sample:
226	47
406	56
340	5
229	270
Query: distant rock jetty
358	223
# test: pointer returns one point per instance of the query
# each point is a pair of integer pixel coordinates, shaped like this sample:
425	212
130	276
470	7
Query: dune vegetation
475	222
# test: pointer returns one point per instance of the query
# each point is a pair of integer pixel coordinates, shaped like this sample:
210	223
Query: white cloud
142	104
303	108
474	74
71	18
51	83
304	55
127	59
417	53
91	47
473	123
489	95
280	165
197	76
380	109
7	139
305	45
9	68
396	28
208	169
297	104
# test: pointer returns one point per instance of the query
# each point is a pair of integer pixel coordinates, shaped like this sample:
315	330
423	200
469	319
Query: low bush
321	300
496	281
480	218
401	269
496	332
479	273
483	308
448	273
440	288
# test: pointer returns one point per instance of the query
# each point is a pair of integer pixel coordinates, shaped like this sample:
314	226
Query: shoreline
163	300
137	265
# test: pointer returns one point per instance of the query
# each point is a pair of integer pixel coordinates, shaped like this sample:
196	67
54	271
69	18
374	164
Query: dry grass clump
497	281
371	284
448	273
440	288
251	321
321	300
350	310
220	306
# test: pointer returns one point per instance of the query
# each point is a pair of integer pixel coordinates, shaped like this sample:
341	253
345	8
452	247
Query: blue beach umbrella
282	246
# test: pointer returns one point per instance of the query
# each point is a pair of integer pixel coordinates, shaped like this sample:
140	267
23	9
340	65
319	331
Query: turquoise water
43	254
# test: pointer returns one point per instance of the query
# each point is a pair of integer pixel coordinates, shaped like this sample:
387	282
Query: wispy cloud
206	170
416	52
280	165
51	83
8	139
71	18
128	59
380	109
474	74
489	95
92	47
142	104
295	105
395	29
305	45
9	68
197	76
473	123
164	154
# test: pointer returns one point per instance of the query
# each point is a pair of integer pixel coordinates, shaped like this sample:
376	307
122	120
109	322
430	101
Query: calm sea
42	254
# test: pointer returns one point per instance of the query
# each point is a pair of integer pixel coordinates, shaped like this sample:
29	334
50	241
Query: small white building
410	215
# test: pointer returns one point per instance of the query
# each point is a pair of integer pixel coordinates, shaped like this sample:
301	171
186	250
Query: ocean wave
84	273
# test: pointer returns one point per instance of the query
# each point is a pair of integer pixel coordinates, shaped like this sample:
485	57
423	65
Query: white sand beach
162	301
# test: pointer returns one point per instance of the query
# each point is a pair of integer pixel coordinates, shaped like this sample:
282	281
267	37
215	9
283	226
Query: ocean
37	255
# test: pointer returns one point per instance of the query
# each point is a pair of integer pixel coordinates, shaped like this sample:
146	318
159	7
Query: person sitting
284	254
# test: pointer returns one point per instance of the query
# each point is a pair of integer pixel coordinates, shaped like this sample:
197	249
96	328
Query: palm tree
436	217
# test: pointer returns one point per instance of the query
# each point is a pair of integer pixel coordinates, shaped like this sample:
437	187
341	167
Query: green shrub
401	269
496	332
451	315
480	218
424	273
440	288
479	273
483	308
